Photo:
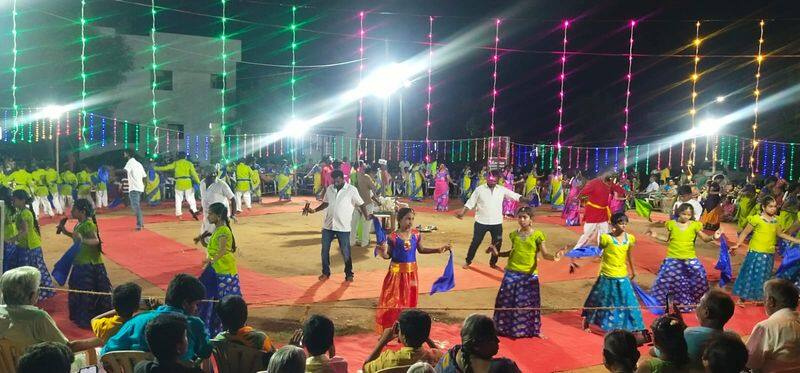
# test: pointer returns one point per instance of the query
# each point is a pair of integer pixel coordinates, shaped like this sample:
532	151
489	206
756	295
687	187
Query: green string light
82	132
293	28
138	129
154	83
736	155
15	107
791	162
223	57
125	133
647	161
636	161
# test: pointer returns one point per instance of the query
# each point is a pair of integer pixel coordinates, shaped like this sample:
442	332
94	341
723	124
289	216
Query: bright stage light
720	99
386	80
53	111
709	127
296	128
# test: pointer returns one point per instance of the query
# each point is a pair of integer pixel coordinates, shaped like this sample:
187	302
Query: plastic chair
234	358
9	356
123	361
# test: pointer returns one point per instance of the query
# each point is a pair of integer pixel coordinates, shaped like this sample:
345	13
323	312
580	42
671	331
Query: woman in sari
557	190
416	183
509	205
482	176
531	189
712	211
572	208
466	184
616	202
285	183
152	188
316	173
441	191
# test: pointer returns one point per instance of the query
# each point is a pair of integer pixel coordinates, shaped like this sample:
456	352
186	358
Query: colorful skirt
510	207
572	213
792	274
442	197
754	272
31	257
83	307
217	286
711	219
399	291
684	281
613	292
518	290
8	250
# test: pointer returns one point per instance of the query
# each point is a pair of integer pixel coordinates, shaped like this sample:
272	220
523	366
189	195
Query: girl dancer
531	189
520	286
613	287
400	284
220	275
572	208
509	205
213	190
88	271
745	205
466	184
441	193
557	190
28	243
9	228
616	202
285	179
757	266
681	275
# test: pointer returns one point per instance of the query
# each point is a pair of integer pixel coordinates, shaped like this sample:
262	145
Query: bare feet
466	266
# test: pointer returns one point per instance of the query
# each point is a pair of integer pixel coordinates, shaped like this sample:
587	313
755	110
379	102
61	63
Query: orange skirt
399	291
713	217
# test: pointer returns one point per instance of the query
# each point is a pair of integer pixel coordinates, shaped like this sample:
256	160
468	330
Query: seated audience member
125	299
232	311
412	329
479	344
20	321
421	367
46	357
288	359
668	338
725	353
774	344
620	353
503	365
183	294
318	340
685	195
166	339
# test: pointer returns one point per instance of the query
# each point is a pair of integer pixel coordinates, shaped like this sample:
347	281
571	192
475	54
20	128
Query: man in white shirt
340	200
653	186
774	344
685	196
487	201
136	181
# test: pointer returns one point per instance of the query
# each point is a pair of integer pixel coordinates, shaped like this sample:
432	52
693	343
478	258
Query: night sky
530	37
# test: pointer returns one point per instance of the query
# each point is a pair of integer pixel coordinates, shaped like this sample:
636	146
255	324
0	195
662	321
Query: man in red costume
597	213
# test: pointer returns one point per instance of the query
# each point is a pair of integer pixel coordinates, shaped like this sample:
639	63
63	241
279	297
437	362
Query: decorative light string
153	66
756	95
82	131
495	59
694	78
430	90
223	109
562	78
361	34
628	91
293	28
15	107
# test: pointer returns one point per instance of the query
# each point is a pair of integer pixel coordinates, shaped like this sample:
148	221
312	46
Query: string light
495	59
153	67
114	124
361	34
103	132
223	109
562	78
206	152
694	78
293	28
91	127
791	162
196	146
430	90
756	95
15	107
628	90
83	74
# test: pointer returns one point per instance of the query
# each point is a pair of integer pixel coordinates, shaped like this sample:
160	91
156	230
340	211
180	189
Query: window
176	128
163	80
216	81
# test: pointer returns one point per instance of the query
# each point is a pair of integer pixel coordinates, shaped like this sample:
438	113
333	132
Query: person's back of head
503	365
166	336
478	338
20	286
684	190
716	308
126	299
779	294
184	291
46	357
668	337
414	326
318	333
725	354
232	311
620	351
421	367
288	359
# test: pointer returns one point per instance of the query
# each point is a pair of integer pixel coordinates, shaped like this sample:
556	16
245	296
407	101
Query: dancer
520	286
53	181
466	184
507	180
531	188
745	205
88	271
285	181
100	179
213	190
385	180
757	266
487	201
316	176
557	190
40	192
597	210
399	288
85	184
416	183
21	179
185	178
136	181
28	243
242	175
482	175
572	207
152	188
441	193
220	275
682	276
613	286
68	184
616	200
10	227
712	212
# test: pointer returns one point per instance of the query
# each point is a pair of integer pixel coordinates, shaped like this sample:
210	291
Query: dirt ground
288	244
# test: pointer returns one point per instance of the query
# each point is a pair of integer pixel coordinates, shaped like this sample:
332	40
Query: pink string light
430	90
361	34
495	59
628	92
562	78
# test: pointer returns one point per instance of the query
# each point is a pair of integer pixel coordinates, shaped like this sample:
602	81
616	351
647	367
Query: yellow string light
694	78
756	95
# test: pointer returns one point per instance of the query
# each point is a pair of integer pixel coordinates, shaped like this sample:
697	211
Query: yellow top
185	173
22	180
765	234
681	240
226	265
615	254
523	252
105	328
243	179
404	356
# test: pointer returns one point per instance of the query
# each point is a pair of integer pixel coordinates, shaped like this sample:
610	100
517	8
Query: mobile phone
643	337
89	369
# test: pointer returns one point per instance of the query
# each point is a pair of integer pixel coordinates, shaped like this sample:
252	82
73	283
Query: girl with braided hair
220	275
620	353
28	241
479	344
88	271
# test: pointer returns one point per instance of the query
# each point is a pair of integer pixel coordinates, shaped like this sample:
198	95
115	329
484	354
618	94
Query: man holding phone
412	329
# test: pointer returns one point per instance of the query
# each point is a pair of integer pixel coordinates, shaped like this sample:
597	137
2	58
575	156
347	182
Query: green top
32	239
185	173
10	228
51	175
68	182
40	188
99	184
765	234
22	180
681	240
615	254
227	264
87	254
84	183
523	251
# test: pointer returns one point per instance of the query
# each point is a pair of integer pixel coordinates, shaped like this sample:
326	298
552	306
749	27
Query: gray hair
288	359
421	367
19	284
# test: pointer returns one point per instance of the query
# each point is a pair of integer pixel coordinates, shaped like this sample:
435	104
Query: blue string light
764	165
103	132
605	163
774	157
616	158
596	160
196	146
206	152
783	160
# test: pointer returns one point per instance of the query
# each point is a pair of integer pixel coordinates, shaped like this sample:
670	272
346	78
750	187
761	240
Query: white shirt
488	203
652	187
136	175
341	203
698	208
218	192
774	344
